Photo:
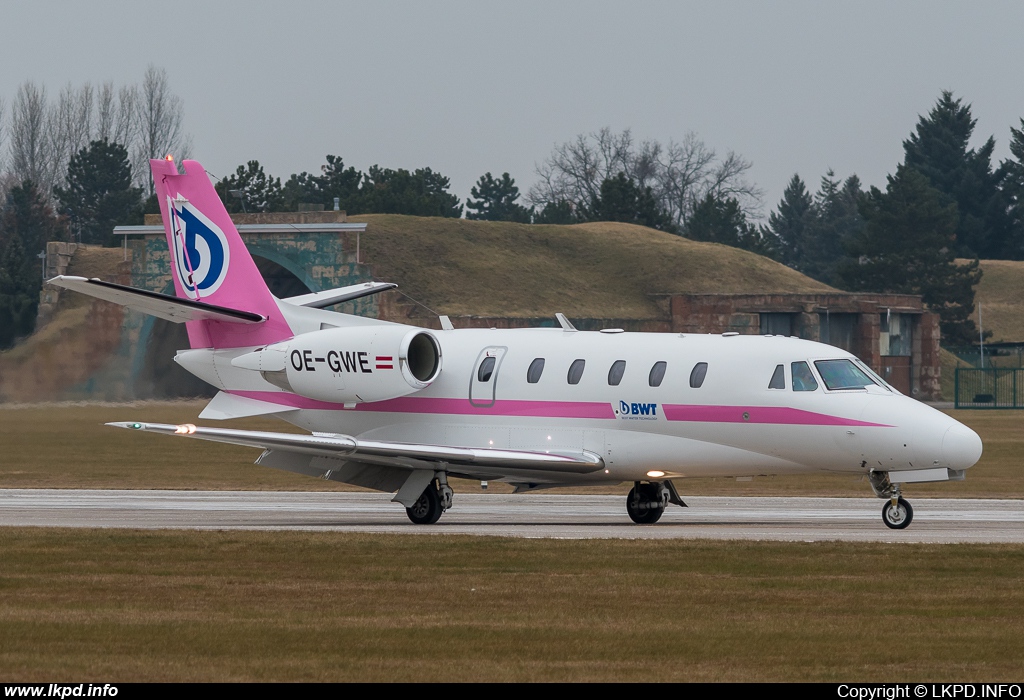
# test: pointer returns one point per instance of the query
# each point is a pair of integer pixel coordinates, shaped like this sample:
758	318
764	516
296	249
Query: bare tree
30	147
160	114
3	135
69	128
679	174
117	114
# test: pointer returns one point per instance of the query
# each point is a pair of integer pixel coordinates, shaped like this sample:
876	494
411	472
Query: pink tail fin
209	261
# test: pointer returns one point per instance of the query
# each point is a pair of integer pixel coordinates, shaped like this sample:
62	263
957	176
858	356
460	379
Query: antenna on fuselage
564	323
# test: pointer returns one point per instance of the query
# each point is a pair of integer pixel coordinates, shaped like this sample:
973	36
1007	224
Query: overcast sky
471	87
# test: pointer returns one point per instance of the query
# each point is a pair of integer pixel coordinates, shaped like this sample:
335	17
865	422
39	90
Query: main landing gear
896	513
435	499
646	503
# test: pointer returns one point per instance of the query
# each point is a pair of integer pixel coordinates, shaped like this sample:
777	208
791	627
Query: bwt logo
201	250
638	409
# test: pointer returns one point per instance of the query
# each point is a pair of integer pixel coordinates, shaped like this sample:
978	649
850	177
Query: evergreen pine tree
98	194
495	200
907	246
788	225
621	199
259	191
938	149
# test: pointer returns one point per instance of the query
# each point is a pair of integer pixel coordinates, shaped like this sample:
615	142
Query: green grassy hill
597	270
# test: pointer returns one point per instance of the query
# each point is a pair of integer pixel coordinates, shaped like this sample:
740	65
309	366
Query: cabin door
483	385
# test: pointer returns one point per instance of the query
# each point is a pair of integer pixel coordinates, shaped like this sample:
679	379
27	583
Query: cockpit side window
842	374
615	373
697	375
778	378
803	379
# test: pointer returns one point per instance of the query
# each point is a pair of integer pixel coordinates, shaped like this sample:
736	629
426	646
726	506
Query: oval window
657	373
486	369
697	375
576	371
615	373
536	369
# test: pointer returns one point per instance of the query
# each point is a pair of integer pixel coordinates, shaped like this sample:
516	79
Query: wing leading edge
393	454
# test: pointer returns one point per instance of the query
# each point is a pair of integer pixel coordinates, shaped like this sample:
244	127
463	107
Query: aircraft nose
961	446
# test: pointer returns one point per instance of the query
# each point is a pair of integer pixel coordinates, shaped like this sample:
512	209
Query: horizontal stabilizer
225	406
397	454
330	297
163	306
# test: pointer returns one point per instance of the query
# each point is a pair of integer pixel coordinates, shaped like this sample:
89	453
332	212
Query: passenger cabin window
615	373
657	373
536	369
842	374
803	380
486	369
700	370
576	371
778	378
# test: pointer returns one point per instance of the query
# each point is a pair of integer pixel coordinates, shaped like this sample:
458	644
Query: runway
529	515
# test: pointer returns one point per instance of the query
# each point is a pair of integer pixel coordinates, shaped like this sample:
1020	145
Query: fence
995	387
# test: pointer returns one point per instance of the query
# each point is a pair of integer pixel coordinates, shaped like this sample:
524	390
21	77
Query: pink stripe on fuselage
457	407
775	415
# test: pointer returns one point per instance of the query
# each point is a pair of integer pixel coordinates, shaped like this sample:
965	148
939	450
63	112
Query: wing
381	465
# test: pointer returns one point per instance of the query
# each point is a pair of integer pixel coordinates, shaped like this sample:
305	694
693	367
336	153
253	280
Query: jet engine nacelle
350	365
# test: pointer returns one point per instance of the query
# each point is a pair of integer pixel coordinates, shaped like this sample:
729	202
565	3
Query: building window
536	369
576	371
615	373
777	324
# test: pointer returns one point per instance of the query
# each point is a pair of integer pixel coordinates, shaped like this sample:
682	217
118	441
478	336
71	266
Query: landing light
185	429
655	474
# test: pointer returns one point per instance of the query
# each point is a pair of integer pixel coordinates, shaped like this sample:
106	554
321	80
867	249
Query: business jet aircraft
402	409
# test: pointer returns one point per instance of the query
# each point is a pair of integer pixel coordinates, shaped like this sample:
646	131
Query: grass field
115	606
67	446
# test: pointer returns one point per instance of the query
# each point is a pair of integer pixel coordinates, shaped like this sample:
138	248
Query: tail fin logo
201	251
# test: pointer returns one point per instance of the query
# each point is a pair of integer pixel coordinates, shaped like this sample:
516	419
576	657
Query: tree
560	212
419	193
334	180
789	224
160	123
721	220
938	149
679	174
908	246
27	222
1011	174
30	148
835	221
259	192
495	200
98	194
621	199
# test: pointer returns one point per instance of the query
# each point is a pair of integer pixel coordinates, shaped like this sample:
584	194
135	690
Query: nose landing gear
897	513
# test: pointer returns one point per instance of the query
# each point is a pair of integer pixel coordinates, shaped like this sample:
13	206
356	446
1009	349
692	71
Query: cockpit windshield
842	374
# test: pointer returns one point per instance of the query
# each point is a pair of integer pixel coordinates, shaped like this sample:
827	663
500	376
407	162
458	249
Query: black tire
643	516
897	517
427	508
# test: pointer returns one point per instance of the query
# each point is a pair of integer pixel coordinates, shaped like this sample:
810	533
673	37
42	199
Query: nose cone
961	446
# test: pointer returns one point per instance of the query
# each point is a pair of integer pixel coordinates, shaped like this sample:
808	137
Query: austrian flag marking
385	362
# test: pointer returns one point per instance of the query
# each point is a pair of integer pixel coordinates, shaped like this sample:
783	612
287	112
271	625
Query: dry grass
185	606
1001	294
599	270
67	446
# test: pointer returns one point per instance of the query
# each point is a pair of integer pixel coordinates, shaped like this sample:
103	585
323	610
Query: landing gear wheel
897	516
427	508
645	510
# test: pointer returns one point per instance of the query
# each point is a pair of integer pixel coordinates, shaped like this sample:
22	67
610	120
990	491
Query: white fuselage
733	424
